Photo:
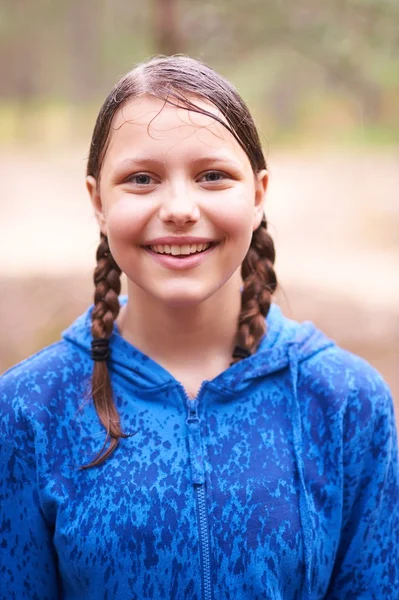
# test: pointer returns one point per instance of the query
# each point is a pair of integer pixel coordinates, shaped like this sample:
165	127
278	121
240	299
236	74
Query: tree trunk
166	27
84	48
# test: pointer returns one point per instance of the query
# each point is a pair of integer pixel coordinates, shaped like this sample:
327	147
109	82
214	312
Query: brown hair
176	80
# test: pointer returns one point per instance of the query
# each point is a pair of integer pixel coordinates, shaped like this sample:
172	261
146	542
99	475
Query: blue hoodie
280	481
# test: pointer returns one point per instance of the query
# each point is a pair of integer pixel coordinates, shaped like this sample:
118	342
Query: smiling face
177	199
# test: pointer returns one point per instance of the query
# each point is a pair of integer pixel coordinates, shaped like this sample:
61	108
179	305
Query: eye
213	177
141	179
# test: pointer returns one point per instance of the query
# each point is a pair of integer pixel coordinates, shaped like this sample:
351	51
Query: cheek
235	214
126	220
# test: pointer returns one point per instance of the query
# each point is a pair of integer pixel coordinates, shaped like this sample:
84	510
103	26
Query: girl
245	455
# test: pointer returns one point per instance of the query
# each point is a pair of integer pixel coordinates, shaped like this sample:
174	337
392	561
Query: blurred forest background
322	81
302	65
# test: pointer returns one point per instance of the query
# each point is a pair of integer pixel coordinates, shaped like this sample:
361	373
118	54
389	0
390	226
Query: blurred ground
334	217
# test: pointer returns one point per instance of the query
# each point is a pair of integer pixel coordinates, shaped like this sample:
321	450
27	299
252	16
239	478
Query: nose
179	207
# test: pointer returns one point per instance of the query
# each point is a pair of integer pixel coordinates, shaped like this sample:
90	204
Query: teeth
178	250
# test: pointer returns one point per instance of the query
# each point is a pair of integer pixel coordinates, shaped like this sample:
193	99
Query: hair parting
177	80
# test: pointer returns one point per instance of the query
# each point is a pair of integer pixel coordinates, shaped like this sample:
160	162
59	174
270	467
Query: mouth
180	251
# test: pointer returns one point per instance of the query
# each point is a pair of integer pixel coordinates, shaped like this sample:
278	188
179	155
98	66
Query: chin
187	297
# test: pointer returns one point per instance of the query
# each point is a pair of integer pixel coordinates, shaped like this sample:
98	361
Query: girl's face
177	199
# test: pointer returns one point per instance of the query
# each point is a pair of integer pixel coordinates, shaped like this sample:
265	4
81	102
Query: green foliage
289	58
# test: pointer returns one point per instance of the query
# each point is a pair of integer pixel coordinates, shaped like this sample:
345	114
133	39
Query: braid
259	283
106	296
106	309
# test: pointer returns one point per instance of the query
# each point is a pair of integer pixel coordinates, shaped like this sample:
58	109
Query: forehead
154	125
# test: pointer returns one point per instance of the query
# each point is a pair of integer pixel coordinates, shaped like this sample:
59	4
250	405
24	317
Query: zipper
204	542
198	479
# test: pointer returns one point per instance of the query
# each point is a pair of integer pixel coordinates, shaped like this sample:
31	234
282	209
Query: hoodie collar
283	338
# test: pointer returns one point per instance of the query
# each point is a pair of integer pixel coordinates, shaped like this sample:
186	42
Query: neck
180	335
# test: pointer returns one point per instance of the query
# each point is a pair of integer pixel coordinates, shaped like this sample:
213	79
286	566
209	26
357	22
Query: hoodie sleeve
367	561
27	565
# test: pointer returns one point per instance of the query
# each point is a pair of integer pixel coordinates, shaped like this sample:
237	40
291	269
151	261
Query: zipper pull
192	412
195	442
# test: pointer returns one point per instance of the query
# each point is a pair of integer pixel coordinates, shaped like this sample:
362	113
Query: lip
174	240
180	264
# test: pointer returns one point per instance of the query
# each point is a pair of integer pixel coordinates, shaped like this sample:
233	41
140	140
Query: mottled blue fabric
294	449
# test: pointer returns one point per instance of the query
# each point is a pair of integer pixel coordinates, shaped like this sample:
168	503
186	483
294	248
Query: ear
94	193
261	181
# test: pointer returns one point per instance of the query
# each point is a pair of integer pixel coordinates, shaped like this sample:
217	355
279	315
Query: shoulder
329	378
342	372
345	386
35	390
42	371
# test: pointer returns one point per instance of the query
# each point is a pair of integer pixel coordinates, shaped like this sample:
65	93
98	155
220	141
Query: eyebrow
216	159
144	162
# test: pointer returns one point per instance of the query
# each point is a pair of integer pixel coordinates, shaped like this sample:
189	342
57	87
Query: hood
284	338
